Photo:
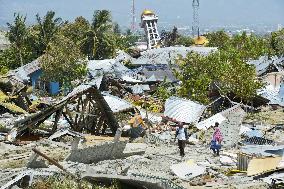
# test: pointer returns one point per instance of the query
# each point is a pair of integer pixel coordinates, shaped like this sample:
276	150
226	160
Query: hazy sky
174	12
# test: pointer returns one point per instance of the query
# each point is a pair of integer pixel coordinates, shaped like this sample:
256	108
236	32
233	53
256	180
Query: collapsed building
88	131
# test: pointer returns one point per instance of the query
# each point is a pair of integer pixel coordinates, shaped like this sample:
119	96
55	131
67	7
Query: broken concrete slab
225	160
35	163
187	170
230	128
94	154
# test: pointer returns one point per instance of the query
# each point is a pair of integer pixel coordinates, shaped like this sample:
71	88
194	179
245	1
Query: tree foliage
48	27
227	70
250	46
164	91
63	61
76	31
218	39
174	38
277	42
17	35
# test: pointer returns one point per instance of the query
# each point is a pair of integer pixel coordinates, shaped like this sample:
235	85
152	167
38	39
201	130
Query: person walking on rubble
216	139
182	136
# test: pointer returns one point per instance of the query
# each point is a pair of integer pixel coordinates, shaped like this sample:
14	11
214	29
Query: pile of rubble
99	133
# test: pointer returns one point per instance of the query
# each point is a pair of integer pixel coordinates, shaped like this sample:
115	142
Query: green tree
17	35
99	42
9	58
88	44
186	41
77	30
48	27
63	61
163	91
218	39
250	46
104	39
174	38
225	68
116	29
277	42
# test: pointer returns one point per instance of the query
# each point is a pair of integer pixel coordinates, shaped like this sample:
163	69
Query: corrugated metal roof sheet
263	63
205	124
169	54
116	104
273	94
139	89
23	72
111	66
183	110
81	88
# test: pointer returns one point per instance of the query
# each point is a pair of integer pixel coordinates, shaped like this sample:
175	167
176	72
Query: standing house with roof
31	73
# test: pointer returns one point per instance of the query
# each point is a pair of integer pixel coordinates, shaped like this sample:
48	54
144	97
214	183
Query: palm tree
99	43
17	34
48	26
102	21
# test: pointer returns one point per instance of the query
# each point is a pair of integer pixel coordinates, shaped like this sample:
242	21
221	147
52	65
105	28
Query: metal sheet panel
183	110
116	104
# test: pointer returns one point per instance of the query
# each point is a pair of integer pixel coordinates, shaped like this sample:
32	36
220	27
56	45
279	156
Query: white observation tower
149	23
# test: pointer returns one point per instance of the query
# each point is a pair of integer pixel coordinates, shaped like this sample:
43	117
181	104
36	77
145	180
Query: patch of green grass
65	182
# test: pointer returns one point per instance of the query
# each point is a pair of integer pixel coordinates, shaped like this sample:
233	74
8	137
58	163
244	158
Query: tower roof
200	40
147	12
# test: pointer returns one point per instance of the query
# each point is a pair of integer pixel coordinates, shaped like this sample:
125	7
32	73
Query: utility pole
195	23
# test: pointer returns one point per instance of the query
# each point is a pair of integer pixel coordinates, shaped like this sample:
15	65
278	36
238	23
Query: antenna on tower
195	24
133	22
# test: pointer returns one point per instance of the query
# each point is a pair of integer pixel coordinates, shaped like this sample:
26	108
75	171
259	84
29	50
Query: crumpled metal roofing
263	63
183	110
115	103
111	66
139	89
169	54
263	150
63	132
205	124
273	94
81	88
22	73
130	79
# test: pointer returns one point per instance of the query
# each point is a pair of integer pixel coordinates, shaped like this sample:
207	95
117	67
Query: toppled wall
100	152
231	126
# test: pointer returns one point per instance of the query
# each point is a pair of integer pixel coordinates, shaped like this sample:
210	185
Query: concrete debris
29	174
187	170
104	129
225	160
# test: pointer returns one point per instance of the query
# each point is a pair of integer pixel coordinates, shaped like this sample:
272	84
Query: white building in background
149	23
279	27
